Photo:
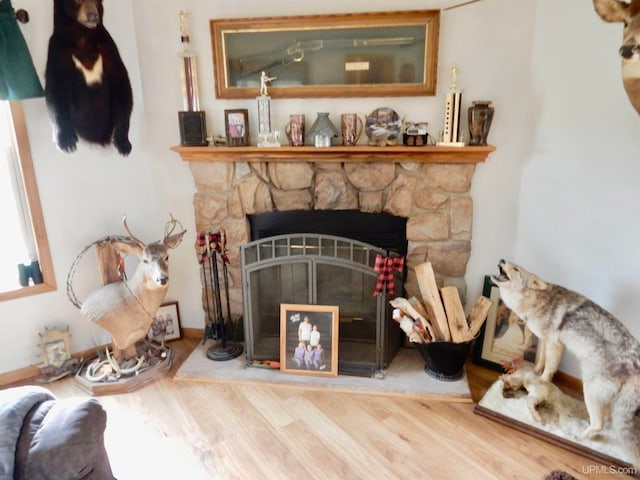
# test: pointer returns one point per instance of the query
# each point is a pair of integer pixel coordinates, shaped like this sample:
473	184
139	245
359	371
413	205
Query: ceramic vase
480	117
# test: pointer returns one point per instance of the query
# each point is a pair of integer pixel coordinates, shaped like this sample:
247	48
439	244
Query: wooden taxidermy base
158	360
563	418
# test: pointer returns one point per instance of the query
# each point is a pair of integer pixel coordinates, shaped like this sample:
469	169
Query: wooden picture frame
56	347
299	353
166	325
389	53
504	337
236	125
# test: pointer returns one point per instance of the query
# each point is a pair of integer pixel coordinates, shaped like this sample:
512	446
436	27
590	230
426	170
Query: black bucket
445	360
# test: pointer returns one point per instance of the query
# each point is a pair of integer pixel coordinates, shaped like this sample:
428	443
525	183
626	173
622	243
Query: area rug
405	376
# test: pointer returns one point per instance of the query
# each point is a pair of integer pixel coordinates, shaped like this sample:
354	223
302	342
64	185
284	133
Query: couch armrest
63	440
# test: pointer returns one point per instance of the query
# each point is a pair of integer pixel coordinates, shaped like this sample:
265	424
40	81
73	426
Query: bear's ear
535	283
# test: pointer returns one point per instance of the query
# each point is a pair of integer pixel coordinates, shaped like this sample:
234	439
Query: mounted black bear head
87	88
87	13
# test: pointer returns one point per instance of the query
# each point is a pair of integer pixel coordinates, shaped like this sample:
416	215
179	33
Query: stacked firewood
439	315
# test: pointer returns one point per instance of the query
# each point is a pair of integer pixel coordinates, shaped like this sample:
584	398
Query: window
24	238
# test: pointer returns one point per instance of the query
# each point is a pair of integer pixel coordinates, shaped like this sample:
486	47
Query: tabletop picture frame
236	123
391	53
309	339
166	323
504	338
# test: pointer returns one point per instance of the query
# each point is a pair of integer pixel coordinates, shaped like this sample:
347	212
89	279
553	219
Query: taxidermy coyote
609	355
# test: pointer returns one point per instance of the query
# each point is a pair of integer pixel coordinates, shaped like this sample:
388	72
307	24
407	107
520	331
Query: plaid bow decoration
201	242
210	242
218	242
385	267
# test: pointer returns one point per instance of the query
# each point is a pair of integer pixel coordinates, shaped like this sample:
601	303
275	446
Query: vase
480	117
323	131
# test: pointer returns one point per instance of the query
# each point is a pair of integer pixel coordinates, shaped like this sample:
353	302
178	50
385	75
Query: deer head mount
126	308
627	13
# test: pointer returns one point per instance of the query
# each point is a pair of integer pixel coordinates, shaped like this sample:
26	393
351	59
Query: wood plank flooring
199	431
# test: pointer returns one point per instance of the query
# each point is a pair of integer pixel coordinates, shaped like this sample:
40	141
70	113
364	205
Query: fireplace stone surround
428	185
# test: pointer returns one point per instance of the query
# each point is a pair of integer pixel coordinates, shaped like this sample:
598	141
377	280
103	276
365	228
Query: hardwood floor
198	431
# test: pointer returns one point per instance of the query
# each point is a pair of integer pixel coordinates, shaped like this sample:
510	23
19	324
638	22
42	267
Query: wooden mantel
336	154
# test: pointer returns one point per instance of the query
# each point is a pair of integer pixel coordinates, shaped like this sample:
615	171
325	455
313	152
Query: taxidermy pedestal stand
158	358
126	309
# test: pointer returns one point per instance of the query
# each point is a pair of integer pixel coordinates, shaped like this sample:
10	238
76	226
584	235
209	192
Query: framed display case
391	53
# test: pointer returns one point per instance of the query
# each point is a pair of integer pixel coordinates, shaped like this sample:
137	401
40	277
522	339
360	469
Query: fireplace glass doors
319	269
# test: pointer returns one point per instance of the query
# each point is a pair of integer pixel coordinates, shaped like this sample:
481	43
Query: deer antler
124	220
171	226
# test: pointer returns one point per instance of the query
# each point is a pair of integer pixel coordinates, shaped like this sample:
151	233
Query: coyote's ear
535	283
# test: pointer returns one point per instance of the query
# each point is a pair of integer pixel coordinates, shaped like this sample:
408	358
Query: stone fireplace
429	186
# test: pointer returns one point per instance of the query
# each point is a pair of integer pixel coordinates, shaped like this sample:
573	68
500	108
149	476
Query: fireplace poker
213	238
225	272
201	243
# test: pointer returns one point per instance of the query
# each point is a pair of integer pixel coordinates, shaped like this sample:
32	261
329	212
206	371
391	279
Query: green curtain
18	77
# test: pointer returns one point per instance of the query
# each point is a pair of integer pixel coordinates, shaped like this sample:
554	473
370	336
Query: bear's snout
88	14
93	17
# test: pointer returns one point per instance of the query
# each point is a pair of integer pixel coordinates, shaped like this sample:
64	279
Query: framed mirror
346	55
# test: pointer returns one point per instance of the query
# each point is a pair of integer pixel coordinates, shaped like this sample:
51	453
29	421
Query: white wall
579	204
550	144
83	196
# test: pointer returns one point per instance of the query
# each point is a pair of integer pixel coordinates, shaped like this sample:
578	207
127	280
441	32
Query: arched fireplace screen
320	270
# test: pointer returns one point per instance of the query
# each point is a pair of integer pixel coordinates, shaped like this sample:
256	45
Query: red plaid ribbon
218	241
209	242
201	242
385	267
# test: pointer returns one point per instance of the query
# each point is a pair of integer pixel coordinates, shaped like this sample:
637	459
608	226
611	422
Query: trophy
266	138
193	126
451	136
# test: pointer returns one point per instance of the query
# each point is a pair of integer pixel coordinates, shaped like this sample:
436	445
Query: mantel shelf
336	154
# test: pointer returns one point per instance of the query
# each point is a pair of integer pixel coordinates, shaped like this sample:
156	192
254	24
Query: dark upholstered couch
44	438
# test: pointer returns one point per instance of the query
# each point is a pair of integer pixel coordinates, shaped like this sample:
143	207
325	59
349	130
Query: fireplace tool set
212	250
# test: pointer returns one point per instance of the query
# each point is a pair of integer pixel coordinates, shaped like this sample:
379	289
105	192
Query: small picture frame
504	337
56	347
309	339
237	127
166	325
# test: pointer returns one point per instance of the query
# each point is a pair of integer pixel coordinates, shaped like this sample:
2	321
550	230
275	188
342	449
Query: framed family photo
237	127
309	339
166	325
504	337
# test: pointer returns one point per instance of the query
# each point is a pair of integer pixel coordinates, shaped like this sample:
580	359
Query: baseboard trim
569	384
18	376
32	372
193	333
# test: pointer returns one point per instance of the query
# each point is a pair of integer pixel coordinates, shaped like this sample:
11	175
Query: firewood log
455	315
431	298
478	315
